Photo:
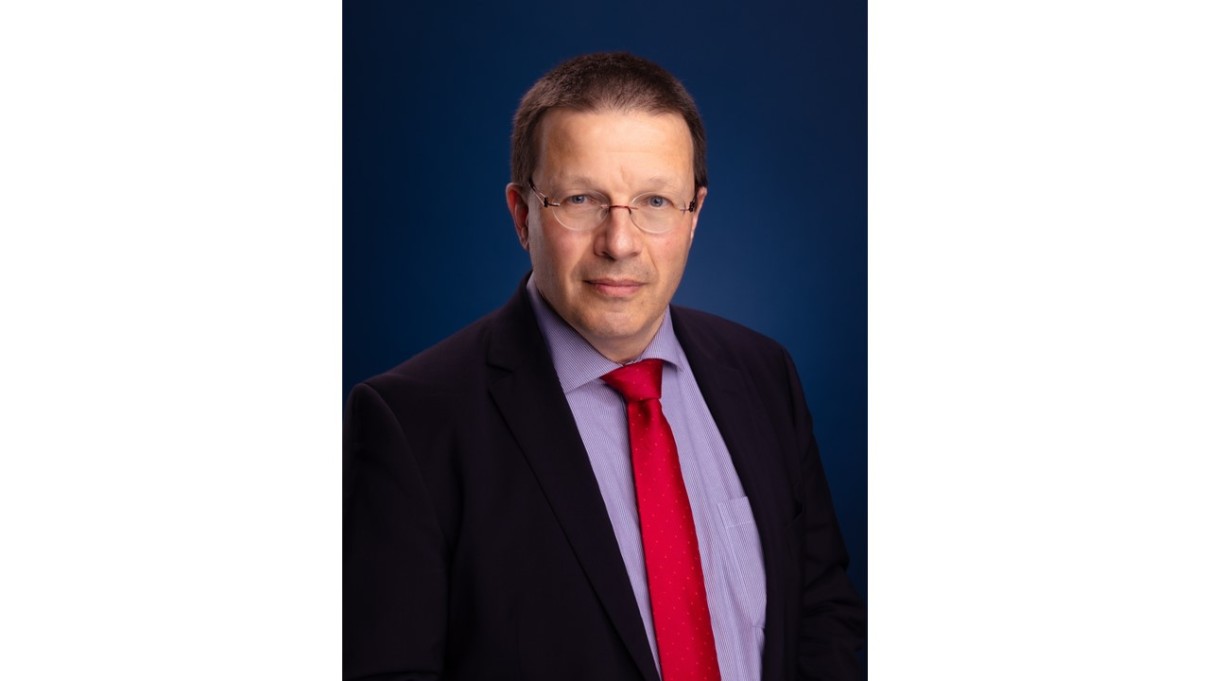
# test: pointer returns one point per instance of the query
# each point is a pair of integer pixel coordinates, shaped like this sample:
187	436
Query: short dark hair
604	81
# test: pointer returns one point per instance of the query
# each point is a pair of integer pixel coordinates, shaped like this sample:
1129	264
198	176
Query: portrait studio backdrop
429	91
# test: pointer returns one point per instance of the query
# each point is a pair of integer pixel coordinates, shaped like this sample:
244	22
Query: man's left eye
656	201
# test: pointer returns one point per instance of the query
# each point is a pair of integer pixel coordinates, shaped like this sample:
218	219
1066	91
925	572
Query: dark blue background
429	91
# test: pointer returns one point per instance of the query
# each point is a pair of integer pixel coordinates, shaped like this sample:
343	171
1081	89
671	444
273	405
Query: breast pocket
747	578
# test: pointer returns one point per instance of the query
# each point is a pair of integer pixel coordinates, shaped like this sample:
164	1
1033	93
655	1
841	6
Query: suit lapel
526	390
734	403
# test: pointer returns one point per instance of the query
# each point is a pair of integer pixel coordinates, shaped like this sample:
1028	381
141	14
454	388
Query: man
589	483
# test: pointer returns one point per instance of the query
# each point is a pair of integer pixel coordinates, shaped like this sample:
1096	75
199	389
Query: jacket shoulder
456	373
723	337
450	362
425	400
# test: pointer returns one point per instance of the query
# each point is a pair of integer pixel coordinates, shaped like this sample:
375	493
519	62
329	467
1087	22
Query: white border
170	284
1039	298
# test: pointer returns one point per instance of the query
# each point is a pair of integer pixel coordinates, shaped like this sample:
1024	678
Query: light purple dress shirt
727	537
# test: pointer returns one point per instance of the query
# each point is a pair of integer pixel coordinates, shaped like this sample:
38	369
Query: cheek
563	253
549	267
673	258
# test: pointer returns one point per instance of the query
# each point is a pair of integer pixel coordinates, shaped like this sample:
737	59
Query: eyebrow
583	182
578	181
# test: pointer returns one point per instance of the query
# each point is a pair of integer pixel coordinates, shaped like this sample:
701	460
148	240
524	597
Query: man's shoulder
463	362
450	362
713	344
714	334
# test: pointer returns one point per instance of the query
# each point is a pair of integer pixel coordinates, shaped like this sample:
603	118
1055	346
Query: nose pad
629	214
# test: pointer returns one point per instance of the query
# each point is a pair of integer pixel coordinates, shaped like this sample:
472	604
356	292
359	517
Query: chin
616	331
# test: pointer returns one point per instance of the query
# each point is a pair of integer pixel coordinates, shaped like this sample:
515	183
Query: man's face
612	283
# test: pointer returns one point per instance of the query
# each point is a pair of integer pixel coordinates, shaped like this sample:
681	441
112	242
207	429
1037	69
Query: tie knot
638	381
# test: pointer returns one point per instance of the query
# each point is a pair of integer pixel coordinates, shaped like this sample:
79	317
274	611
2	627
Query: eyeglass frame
608	209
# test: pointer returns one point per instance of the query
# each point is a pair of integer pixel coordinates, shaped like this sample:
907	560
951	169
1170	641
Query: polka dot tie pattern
683	632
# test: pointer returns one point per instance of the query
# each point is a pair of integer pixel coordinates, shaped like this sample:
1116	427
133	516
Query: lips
615	288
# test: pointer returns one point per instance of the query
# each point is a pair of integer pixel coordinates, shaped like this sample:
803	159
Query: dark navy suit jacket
477	545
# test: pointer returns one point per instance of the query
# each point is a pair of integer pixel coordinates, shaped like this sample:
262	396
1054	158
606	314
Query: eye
581	200
655	201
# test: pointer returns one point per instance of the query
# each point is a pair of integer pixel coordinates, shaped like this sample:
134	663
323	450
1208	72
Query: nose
618	237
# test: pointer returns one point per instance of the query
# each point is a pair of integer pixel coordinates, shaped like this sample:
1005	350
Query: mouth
615	288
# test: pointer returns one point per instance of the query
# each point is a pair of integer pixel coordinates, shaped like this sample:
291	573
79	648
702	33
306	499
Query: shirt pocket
747	565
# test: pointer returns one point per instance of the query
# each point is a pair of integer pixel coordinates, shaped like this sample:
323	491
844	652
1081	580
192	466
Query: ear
518	208
697	212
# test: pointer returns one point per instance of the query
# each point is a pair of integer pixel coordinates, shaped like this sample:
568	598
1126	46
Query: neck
619	355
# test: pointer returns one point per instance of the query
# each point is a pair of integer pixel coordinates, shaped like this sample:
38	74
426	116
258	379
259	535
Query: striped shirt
727	538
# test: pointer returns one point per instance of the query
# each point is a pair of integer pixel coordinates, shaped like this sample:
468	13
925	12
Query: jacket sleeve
832	627
395	553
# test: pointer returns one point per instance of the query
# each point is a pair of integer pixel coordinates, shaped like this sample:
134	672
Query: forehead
614	143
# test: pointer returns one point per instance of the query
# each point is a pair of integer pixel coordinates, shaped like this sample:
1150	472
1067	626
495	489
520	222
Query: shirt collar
577	362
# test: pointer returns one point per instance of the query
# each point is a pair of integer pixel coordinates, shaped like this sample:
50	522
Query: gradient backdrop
429	91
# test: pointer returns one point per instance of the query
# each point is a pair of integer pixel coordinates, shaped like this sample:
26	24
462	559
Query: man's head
608	81
612	130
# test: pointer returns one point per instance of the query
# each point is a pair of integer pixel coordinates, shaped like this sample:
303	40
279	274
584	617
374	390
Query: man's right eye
578	200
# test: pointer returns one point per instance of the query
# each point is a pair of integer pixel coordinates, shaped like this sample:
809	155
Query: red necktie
674	569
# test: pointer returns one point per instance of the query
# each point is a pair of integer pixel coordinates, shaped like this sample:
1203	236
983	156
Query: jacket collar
526	390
